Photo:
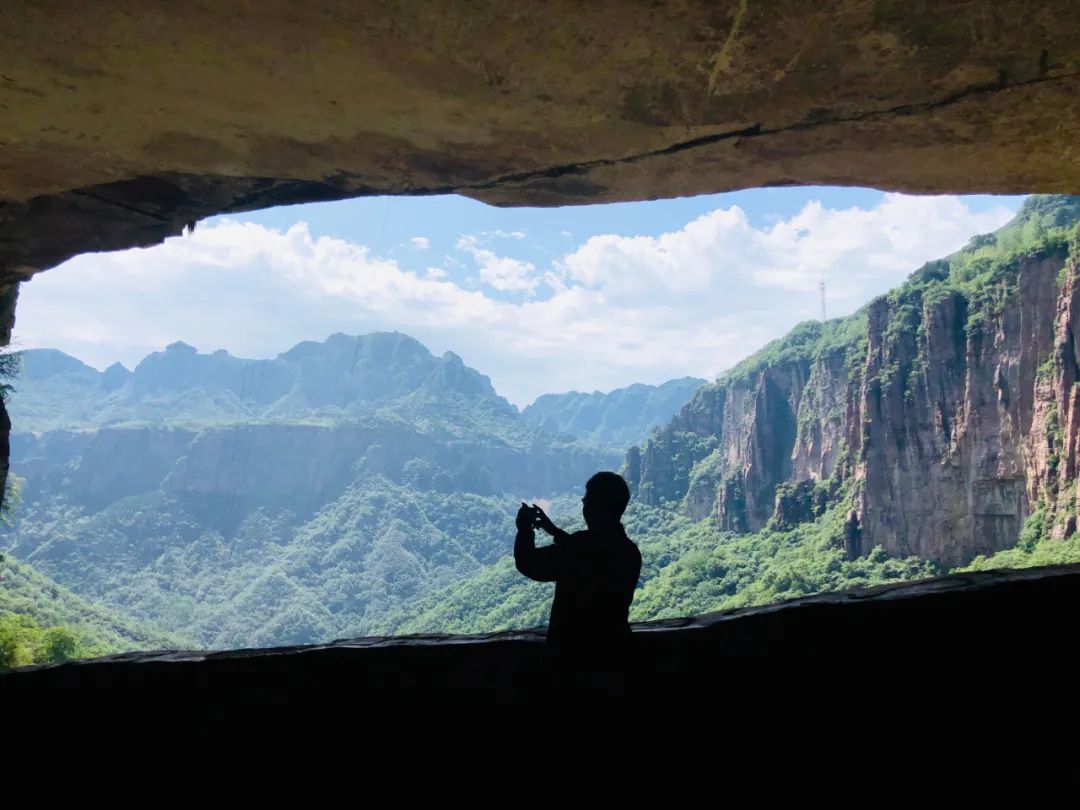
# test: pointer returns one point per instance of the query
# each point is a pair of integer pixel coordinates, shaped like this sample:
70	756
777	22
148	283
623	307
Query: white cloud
616	310
420	242
856	248
499	272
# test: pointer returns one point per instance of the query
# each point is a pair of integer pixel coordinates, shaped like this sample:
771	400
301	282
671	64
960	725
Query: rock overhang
124	125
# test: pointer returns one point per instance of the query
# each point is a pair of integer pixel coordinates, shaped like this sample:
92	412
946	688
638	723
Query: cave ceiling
123	122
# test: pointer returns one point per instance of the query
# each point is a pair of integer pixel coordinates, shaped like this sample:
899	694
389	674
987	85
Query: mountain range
246	502
344	378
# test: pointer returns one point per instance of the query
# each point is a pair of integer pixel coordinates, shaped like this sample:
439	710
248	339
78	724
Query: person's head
606	497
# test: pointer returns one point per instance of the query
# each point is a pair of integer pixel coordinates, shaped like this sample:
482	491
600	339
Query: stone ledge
987	622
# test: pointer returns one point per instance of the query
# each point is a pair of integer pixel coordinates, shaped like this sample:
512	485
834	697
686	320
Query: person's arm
540	564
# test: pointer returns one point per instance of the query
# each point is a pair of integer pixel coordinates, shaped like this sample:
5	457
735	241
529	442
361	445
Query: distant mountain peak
344	375
38	364
115	376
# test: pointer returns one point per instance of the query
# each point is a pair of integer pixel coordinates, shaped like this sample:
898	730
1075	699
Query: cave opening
315	422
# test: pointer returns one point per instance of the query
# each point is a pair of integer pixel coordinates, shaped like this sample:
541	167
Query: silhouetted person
594	571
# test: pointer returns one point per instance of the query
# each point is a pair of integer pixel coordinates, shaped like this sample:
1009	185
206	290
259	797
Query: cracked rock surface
122	125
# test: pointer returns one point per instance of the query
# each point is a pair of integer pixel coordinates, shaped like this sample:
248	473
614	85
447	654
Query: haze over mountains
344	377
619	418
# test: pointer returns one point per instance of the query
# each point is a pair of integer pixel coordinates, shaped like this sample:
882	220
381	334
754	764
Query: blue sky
542	300
386	224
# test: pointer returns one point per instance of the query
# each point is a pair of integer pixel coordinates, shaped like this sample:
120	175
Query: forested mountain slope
43	622
270	502
936	427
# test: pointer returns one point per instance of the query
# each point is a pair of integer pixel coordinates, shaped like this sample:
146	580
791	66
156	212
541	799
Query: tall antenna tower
821	286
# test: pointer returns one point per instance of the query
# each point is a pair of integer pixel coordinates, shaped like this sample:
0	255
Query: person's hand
526	517
542	521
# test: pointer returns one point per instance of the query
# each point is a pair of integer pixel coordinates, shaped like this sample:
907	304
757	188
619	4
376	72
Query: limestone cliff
944	411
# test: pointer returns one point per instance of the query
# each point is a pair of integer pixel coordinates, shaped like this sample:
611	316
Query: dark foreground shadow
950	642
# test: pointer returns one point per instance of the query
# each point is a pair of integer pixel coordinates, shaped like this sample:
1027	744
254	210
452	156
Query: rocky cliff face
298	467
233	469
946	410
726	452
227	435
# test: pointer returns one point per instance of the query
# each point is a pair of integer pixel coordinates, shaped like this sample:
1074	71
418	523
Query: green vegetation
273	578
1036	545
807	342
688	568
718	571
1046	552
43	623
23	642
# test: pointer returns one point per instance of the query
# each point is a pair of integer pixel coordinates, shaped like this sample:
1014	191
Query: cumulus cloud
420	242
617	309
854	248
499	272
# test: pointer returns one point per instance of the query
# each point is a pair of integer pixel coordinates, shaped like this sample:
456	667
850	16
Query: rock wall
947	451
946	424
728	449
279	466
9	294
121	128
